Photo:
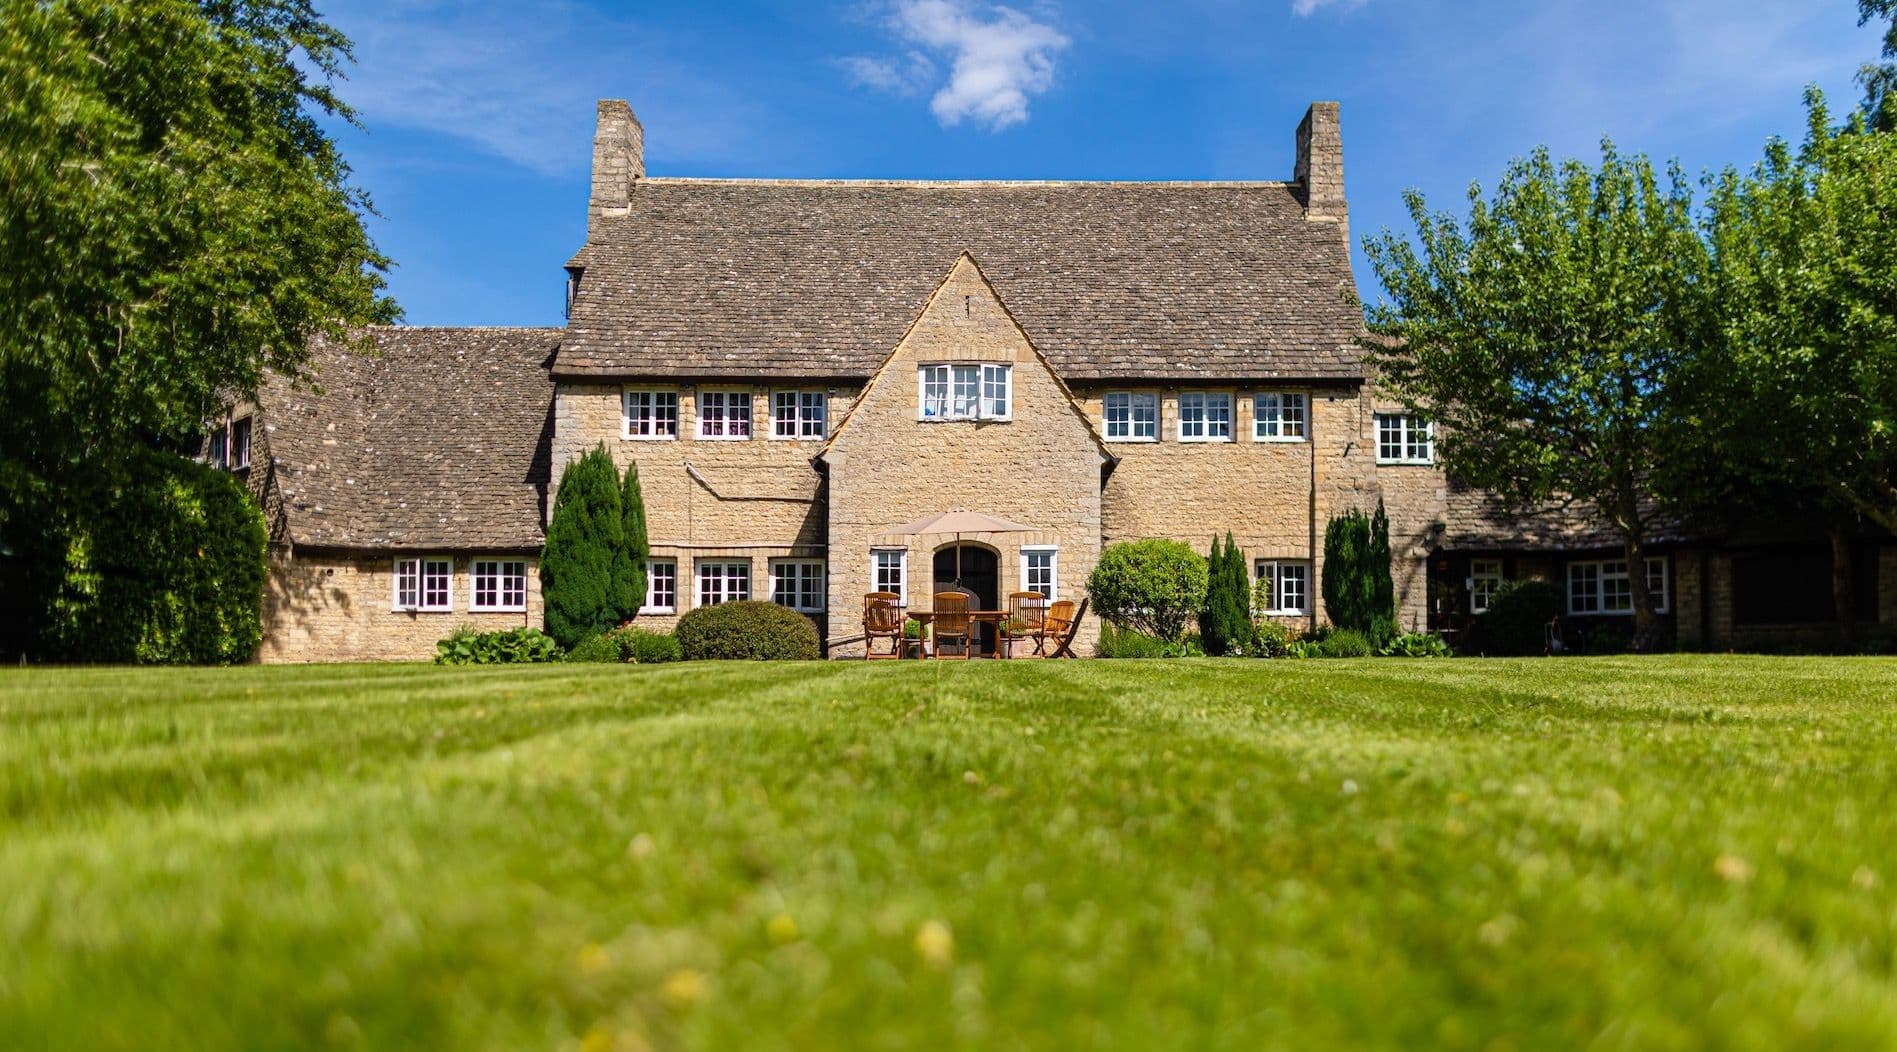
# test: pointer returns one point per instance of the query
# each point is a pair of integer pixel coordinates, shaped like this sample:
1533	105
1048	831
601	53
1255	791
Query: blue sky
478	115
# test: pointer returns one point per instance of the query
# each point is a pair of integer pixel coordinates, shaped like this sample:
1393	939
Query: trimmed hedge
747	631
167	569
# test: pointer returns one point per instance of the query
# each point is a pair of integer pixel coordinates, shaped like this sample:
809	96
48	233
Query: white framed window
661	587
799	414
1602	586
1485	579
240	444
889	571
799	584
220	449
498	585
723	581
1404	438
425	583
650	415
1279	417
965	392
1286	584
1205	416
724	415
1132	416
1040	570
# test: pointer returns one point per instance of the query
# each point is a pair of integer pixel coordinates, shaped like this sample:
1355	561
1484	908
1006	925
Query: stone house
798	367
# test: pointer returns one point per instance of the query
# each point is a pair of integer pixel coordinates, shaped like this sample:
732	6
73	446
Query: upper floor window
650	414
240	444
424	584
1485	580
1404	438
724	414
798	584
1278	417
220	448
798	414
1132	416
889	570
499	584
1205	416
1604	587
1284	586
723	581
966	392
661	587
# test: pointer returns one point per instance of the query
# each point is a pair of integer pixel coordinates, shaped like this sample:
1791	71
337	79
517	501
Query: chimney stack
1320	171
619	158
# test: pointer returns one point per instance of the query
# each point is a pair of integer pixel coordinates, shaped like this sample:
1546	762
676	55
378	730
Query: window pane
966	391
1265	409
935	392
1119	415
815	410
1146	416
1218	408
1192	416
1291	417
784	414
994	391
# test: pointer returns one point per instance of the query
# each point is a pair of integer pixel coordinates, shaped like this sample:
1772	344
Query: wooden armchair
952	622
1027	615
1062	624
882	619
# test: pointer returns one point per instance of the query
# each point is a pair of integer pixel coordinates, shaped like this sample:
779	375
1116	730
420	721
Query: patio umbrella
960	522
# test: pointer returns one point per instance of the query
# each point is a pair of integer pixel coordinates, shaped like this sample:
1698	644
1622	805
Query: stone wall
1039	469
340	607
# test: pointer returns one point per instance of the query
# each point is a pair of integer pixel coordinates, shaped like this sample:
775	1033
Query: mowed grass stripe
1190	854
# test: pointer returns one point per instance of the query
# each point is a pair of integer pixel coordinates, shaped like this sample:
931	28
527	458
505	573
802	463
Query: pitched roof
1478	520
1216	281
435	439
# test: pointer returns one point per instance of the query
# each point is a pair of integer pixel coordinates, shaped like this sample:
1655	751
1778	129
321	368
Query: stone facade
340	606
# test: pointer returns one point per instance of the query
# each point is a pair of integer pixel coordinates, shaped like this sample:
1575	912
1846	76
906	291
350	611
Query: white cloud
998	58
1307	8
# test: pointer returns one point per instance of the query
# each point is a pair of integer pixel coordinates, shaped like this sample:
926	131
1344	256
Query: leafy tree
1153	586
582	575
637	548
1880	78
1545	336
1225	623
1806	253
1358	594
1383	586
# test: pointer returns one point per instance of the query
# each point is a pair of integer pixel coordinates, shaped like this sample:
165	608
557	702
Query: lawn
1611	853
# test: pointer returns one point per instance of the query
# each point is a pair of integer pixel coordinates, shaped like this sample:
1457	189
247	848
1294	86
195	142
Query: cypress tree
1382	586
582	567
1349	591
1225	624
632	504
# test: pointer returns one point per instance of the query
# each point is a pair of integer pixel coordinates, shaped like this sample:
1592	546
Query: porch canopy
959	522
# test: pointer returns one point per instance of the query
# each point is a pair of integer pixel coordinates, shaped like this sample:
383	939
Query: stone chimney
1320	172
619	159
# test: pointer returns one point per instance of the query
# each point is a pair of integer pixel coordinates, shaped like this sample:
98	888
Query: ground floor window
1603	586
1284	586
424	584
1040	570
1485	579
889	569
723	581
499	585
798	584
661	587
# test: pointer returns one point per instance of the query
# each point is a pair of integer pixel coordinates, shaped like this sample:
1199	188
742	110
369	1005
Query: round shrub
1154	587
1346	643
1516	623
747	631
600	649
647	647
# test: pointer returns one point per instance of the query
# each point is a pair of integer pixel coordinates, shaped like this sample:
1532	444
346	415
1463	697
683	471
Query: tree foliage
582	566
1880	78
1358	593
1225	623
637	549
1545	335
166	569
1153	586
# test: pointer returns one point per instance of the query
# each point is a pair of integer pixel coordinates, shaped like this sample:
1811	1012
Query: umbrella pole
958	560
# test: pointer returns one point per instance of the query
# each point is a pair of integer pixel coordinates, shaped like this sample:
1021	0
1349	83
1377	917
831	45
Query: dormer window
965	392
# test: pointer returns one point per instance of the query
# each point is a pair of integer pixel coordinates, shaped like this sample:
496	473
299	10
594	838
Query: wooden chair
952	622
882	619
1063	624
1027	617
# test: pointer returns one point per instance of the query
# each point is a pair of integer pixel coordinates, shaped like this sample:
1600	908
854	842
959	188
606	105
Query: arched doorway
980	574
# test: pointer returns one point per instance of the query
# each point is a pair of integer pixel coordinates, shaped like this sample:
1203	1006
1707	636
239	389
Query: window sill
1405	463
965	419
1270	441
421	609
657	611
648	438
797	438
1205	441
497	609
724	438
1153	441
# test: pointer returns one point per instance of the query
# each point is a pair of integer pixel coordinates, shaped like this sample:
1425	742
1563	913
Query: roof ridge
976	184
464	328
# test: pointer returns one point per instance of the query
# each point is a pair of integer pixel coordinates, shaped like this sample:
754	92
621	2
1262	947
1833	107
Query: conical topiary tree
632	505
1382	586
583	575
1225	624
1349	594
